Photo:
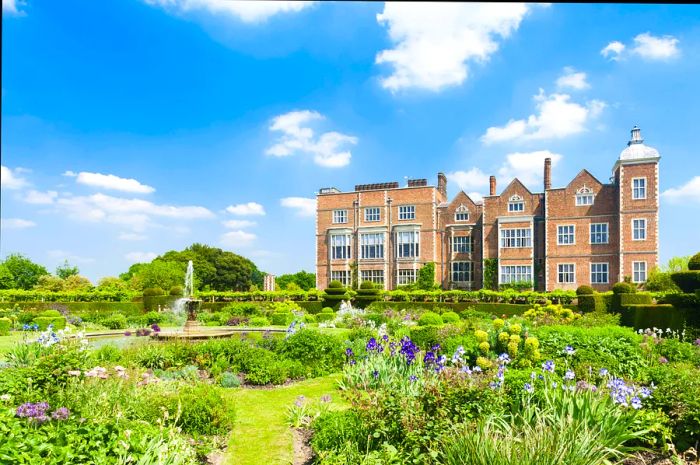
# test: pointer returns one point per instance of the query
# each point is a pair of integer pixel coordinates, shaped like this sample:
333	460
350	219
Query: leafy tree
301	278
66	270
111	283
76	282
52	283
159	273
26	273
426	277
7	280
676	264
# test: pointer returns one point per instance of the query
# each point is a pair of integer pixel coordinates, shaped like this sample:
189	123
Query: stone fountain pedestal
192	307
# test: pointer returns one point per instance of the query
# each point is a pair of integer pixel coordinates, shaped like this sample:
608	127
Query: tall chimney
547	173
442	184
492	185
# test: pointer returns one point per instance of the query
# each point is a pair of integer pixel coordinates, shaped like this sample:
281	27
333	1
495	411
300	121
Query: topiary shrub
258	322
152	318
694	262
335	284
50	313
635	299
334	294
153	291
584	290
56	323
591	303
176	290
366	294
688	281
450	317
5	325
309	319
116	321
430	319
623	288
327	310
323	317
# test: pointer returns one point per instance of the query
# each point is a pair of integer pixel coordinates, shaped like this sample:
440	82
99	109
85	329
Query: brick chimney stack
442	184
492	185
547	173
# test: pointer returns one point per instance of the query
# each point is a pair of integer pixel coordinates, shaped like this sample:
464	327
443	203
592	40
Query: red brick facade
588	232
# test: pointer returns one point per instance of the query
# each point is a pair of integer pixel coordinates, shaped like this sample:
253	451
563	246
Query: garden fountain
189	303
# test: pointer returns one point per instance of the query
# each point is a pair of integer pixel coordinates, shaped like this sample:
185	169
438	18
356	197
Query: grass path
261	435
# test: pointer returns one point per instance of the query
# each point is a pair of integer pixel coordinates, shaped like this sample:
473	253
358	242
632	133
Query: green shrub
688	281
242	308
333	430
678	351
5	325
56	322
592	303
107	353
282	319
327	310
623	288
50	313
334	294
229	380
694	262
430	318
323	317
641	298
319	353
153	291
152	318
309	319
335	284
425	337
312	306
584	290
450	317
258	321
176	291
649	316
116	321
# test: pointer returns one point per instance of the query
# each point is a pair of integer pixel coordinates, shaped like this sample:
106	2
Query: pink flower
74	372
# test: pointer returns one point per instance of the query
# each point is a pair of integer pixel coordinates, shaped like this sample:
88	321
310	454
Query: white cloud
687	193
303	205
239	224
10	179
246	209
41	198
655	48
134	213
125	236
140	257
13	6
58	254
246	11
572	79
70	174
328	149
557	117
435	42
16	223
647	46
469	180
237	238
613	50
110	181
528	167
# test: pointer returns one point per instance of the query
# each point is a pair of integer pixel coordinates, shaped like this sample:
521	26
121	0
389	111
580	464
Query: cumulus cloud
302	205
246	209
13	7
646	46
10	179
687	193
655	48
572	79
16	223
528	167
434	43
239	224
296	136
41	198
613	50
126	236
140	257
237	238
556	117
245	11
134	213
469	181
110	181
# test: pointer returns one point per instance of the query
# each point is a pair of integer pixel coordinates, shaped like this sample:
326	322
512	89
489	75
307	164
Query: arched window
584	196
516	203
462	213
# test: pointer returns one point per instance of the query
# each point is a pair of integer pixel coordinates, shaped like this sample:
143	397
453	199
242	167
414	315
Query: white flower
5	397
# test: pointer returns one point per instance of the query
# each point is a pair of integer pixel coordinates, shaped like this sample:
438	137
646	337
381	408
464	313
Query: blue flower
636	403
568	350
603	372
413	378
528	388
548	366
532	375
569	375
371	345
375	373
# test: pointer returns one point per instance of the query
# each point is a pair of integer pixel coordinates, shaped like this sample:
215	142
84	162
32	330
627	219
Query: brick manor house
587	232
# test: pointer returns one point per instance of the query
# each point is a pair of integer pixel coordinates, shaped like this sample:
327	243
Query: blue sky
134	127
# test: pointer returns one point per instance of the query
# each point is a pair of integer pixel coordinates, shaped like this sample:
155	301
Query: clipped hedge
58	322
635	299
323	317
642	316
282	318
688	281
311	306
5	325
592	303
80	308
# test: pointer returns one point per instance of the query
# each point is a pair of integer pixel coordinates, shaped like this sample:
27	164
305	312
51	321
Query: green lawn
261	435
6	342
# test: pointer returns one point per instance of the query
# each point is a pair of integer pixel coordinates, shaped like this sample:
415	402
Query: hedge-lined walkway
261	434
